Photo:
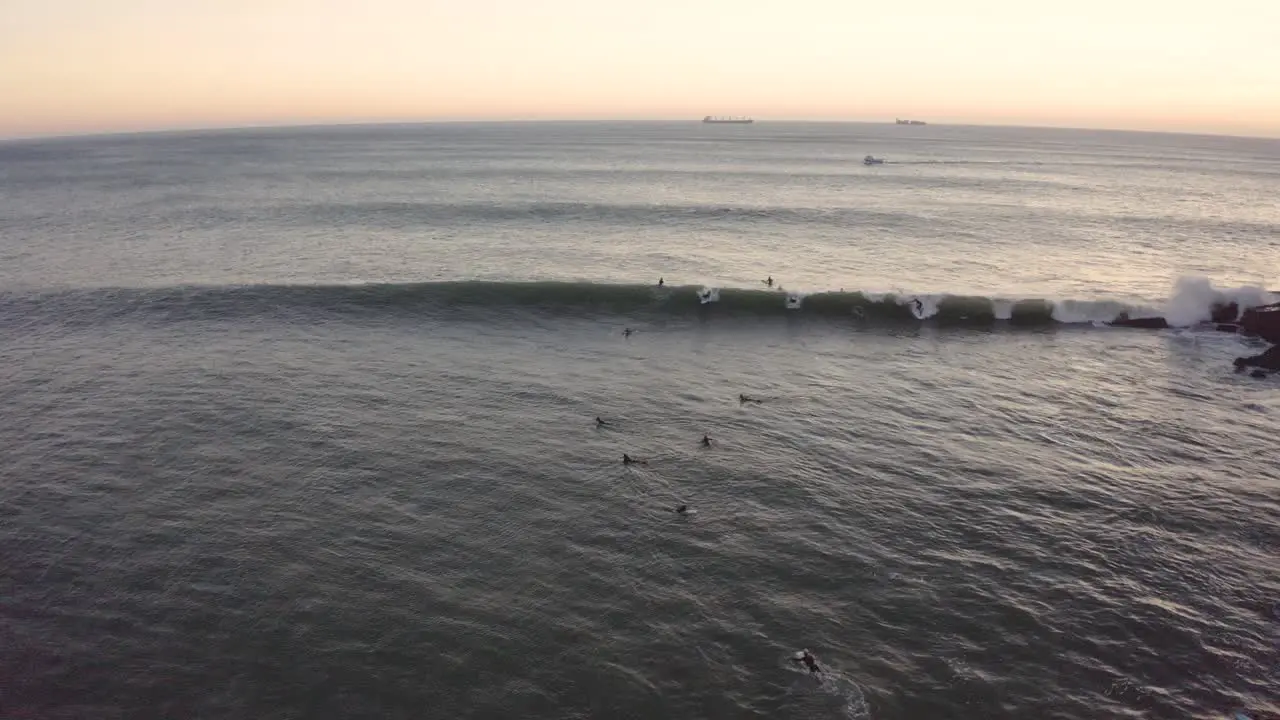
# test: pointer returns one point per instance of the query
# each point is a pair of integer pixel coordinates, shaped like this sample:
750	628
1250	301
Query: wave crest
1192	302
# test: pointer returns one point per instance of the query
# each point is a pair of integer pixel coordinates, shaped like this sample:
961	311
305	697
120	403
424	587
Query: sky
87	66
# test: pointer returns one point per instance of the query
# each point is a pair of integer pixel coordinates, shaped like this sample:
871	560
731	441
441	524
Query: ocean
301	423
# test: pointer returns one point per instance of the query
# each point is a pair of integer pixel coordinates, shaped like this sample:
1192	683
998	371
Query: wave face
1193	303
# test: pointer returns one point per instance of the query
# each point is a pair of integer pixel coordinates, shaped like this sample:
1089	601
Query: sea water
301	423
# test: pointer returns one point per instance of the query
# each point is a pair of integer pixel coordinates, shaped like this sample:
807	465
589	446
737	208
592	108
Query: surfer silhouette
809	661
748	399
661	282
628	460
600	423
627	332
706	440
769	281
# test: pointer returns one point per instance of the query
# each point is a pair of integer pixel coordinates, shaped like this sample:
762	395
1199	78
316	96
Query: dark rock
1269	360
1152	323
1263	321
1225	314
1258	374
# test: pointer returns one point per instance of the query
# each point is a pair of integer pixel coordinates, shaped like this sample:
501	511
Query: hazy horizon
355	124
73	67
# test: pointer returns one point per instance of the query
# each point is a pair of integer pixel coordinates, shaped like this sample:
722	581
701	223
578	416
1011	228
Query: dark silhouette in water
1266	360
627	332
628	460
706	440
682	510
661	282
769	281
809	661
747	399
599	422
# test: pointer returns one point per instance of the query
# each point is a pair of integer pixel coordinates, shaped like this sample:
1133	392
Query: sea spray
1194	298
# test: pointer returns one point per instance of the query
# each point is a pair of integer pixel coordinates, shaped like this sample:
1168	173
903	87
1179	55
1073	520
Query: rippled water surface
300	499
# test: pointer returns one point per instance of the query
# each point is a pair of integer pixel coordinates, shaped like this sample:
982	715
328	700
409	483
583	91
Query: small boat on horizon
900	121
870	160
727	120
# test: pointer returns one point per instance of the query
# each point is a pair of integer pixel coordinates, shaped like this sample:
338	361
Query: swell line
1195	301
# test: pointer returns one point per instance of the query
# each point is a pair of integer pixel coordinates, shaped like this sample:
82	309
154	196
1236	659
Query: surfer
600	423
769	281
661	282
706	440
628	460
627	332
682	510
803	657
919	307
744	399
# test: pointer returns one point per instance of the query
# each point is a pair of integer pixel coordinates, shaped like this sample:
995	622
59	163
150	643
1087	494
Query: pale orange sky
72	66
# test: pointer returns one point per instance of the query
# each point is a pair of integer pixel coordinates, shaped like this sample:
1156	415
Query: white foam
1097	311
1191	303
709	295
1194	297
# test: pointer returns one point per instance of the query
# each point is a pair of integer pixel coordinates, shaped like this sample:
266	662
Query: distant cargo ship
900	121
729	120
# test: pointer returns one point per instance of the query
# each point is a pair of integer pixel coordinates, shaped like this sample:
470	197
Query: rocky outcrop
1224	313
1148	323
1263	321
1269	360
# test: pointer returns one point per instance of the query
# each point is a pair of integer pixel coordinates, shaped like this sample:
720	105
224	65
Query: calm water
300	424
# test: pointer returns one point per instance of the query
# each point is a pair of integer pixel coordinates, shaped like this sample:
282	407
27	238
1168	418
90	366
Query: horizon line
289	125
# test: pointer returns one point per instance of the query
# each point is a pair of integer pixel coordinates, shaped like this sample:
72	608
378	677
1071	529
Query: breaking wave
1192	302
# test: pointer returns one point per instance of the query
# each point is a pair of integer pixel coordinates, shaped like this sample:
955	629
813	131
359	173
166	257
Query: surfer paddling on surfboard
809	661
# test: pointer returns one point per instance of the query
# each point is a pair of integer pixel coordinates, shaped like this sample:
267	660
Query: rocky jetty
1262	321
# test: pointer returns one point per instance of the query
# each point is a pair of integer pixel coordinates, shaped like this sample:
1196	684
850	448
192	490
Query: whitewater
301	422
